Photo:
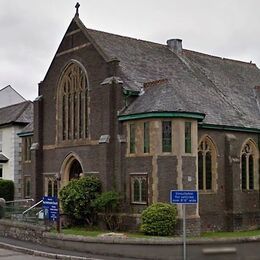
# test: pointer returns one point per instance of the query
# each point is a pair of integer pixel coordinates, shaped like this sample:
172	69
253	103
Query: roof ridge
26	101
219	57
128	37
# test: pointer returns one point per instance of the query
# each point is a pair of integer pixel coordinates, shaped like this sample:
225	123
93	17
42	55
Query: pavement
16	249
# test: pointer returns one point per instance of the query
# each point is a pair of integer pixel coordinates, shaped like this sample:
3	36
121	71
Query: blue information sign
50	206
184	196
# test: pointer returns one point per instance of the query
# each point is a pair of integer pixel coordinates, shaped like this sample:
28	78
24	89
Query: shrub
76	198
107	204
159	219
7	189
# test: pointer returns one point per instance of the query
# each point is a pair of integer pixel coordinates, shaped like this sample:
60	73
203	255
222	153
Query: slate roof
21	113
3	159
222	89
28	130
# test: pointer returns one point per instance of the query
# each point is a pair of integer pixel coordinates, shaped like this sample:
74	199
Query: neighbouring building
13	119
9	96
147	118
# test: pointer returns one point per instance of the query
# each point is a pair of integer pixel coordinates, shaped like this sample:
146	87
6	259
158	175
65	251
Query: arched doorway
75	170
71	169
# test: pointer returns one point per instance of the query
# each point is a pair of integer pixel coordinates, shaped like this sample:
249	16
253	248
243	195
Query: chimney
175	45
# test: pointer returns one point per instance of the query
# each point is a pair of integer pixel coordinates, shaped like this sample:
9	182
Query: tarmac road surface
6	254
12	249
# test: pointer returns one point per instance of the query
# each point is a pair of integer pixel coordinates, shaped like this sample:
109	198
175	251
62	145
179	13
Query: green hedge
7	189
159	219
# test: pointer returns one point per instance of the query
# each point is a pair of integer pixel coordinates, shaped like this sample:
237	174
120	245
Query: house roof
222	89
21	113
9	96
3	159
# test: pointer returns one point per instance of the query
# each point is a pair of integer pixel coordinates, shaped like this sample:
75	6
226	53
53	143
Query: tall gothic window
248	161
207	165
73	110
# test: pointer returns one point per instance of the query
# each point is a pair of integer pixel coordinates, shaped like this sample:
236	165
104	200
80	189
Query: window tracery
207	165
73	108
248	162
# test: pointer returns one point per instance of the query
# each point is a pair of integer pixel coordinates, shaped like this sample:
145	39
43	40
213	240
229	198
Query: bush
76	198
7	189
159	219
107	204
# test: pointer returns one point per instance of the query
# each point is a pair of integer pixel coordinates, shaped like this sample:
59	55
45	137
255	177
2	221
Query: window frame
146	137
27	187
248	182
166	148
188	137
132	137
72	102
140	176
207	146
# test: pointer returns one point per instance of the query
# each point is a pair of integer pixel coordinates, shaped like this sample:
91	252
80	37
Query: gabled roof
9	96
3	159
222	89
21	113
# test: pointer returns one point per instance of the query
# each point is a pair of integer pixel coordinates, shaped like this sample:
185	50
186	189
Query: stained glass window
146	137
73	103
166	136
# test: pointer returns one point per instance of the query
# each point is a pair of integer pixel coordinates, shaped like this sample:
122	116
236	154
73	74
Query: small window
132	138
52	186
27	149
187	137
27	187
1	171
146	137
166	136
139	189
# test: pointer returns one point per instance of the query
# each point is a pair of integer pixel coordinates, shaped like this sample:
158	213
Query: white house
13	119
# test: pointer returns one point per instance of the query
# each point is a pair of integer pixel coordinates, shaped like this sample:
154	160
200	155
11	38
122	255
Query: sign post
184	197
50	206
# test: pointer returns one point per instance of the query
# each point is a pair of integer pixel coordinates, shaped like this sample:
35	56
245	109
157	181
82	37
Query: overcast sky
31	30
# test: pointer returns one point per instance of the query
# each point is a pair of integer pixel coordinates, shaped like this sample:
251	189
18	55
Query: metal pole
184	231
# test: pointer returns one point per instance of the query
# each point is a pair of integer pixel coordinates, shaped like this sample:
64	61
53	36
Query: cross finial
77	8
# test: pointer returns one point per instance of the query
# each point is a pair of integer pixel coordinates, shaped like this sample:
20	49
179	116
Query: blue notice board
50	206
184	196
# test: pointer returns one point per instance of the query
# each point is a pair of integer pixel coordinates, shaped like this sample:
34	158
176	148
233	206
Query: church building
147	118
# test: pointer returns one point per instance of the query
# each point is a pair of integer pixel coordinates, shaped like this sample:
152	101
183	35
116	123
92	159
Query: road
12	249
13	255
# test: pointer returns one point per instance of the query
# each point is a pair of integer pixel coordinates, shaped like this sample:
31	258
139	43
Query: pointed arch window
207	161
73	109
139	188
248	162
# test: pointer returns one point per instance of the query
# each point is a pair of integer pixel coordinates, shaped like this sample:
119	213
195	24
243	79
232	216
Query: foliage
7	189
159	219
76	198
107	204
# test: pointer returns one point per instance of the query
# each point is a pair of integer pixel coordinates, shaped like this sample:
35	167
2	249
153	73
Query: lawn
249	233
82	231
